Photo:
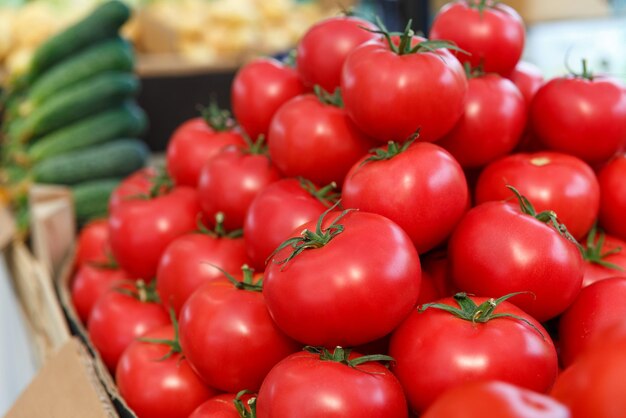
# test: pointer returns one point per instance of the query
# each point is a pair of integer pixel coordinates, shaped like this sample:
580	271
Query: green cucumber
113	159
102	23
125	121
74	103
111	55
91	198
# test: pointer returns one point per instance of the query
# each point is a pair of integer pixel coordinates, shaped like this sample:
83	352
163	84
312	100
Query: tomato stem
173	344
391	150
244	412
593	251
342	355
218	231
248	279
218	119
142	291
327	195
258	147
326	98
109	264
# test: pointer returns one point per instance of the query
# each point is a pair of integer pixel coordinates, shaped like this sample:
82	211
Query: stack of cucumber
71	118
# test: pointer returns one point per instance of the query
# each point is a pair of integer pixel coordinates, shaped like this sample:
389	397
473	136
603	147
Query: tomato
276	212
493	122
196	141
93	243
551	180
528	79
499	249
228	336
324	47
155	379
597	306
399	183
136	185
313	385
315	139
259	89
389	93
188	262
91	282
570	113
491	32
230	181
141	229
221	406
436	349
495	398
118	318
613	197
349	279
605	257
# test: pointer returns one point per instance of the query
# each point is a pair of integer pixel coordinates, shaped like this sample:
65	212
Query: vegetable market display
396	226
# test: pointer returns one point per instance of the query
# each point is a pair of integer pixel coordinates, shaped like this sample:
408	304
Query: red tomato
315	140
528	79
309	385
336	290
136	185
220	406
570	113
613	197
390	95
231	180
117	319
91	282
491	32
233	325
551	180
195	142
155	379
436	350
492	125
596	307
93	243
421	188
276	212
141	229
495	398
324	47
259	89
604	257
496	249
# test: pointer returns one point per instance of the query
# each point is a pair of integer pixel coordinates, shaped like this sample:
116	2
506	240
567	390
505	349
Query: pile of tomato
389	227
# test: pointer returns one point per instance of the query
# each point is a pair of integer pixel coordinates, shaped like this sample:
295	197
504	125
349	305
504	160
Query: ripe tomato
597	306
91	282
494	398
398	182
155	379
222	406
613	197
570	113
551	180
315	139
605	257
499	249
230	181
93	243
228	319
326	286
141	229
117	319
492	125
136	185
312	385
389	93
188	263
196	141
492	32
528	79
465	339
259	89
324	47
276	212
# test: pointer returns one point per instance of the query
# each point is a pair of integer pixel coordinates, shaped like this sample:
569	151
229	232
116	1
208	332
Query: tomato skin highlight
220	406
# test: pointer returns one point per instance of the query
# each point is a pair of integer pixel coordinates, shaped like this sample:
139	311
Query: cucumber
111	55
91	198
113	159
81	100
125	121
104	22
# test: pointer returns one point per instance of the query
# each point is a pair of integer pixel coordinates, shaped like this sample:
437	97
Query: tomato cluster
394	227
